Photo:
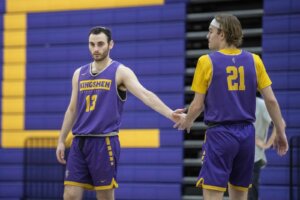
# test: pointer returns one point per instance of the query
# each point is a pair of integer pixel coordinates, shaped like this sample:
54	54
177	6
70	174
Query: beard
101	57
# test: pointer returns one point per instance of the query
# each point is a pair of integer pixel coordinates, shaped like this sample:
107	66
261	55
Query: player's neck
98	66
226	46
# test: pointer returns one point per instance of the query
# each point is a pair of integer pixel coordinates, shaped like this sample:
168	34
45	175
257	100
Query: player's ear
222	34
111	44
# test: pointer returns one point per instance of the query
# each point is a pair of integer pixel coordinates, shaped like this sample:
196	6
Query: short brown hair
232	29
101	29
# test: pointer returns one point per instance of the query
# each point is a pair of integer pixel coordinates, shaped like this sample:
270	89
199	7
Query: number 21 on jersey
90	102
235	78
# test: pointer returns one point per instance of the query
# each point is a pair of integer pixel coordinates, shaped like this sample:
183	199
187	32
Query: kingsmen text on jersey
99	106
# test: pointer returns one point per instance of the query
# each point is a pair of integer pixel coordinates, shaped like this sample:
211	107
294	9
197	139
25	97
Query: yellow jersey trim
87	186
263	79
202	75
231	51
83	185
240	188
112	185
200	183
204	72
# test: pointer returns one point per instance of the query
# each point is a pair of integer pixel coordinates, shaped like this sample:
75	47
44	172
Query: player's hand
180	111
281	144
178	114
182	123
60	153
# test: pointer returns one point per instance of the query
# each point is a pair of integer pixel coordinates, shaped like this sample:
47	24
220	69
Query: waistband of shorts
110	134
214	124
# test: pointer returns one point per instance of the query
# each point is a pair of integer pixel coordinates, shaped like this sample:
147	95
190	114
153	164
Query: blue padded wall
281	36
149	40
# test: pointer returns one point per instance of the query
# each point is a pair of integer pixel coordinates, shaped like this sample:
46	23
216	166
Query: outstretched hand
178	114
181	122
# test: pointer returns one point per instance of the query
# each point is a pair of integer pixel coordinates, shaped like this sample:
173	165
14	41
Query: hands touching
181	122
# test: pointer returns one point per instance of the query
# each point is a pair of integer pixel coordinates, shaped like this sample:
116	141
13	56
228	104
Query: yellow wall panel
15	55
15	21
58	5
13	105
142	138
13	88
16	139
14	72
12	122
148	138
15	38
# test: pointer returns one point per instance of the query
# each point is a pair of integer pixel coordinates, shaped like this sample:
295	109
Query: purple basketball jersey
232	91
99	107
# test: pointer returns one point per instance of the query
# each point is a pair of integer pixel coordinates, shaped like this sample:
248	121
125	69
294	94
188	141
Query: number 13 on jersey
90	102
235	78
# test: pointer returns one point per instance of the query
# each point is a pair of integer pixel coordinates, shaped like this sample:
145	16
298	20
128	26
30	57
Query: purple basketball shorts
92	163
228	157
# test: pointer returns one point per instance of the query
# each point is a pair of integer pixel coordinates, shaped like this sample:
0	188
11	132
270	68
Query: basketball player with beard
94	115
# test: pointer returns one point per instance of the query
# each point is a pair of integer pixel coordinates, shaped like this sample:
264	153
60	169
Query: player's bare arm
280	142
69	119
126	79
194	111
